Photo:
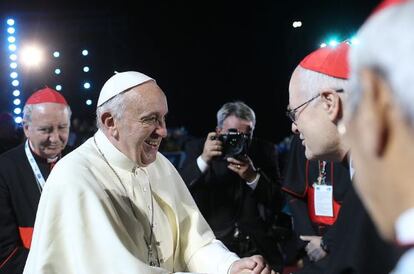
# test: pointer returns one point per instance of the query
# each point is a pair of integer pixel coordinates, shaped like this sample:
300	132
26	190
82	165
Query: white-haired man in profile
380	124
116	205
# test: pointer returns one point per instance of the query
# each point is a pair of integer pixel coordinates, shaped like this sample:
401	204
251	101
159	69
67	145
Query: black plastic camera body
235	144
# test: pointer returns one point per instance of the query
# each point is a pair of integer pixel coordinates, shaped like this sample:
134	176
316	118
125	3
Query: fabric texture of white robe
90	222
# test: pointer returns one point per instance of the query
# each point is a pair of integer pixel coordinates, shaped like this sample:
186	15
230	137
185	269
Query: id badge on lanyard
38	175
323	194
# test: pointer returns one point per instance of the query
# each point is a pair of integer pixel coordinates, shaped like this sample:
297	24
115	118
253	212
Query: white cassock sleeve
213	258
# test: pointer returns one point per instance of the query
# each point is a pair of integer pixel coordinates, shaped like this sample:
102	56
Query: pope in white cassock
116	205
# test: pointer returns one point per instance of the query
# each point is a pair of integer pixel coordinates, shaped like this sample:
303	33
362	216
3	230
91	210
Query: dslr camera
235	144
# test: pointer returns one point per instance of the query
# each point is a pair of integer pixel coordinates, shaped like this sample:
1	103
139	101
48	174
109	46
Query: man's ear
108	121
26	128
375	102
332	104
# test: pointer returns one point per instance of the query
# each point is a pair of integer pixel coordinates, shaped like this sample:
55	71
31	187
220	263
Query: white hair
116	106
386	45
238	109
313	82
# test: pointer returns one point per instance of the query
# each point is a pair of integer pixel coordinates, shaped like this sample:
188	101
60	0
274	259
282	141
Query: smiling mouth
152	143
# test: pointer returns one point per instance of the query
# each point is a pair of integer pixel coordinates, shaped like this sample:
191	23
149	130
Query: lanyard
38	175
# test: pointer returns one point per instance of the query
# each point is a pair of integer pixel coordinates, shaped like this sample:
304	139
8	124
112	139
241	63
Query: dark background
202	53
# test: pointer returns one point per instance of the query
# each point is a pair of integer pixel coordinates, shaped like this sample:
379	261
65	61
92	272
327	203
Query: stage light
16	101
13	57
10	22
85	52
15	83
12	47
85	69
56	54
13	65
323	45
11	30
16	92
57	71
18	119
31	56
333	42
58	87
88	102
86	85
17	110
11	39
13	75
297	24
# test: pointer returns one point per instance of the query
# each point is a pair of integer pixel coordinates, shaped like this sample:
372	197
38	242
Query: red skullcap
386	4
46	95
332	61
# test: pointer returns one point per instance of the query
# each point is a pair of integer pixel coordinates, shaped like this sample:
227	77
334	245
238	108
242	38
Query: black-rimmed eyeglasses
291	113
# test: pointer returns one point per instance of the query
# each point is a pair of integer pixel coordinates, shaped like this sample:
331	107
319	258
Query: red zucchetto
332	61
386	4
46	95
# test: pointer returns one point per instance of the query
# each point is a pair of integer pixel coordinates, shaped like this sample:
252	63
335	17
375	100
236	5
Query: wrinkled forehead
48	109
148	97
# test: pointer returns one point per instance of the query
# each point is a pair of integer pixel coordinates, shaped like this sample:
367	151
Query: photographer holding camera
234	179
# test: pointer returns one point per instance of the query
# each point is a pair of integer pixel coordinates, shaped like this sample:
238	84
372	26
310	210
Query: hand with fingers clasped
252	265
212	148
314	248
243	167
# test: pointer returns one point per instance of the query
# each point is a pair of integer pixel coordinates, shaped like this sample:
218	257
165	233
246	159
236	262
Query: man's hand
212	148
254	265
313	248
243	167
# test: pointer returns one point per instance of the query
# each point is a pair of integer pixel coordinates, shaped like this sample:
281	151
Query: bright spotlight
58	87
88	102
18	119
323	45
85	52
17	110
13	75
15	83
10	22
57	71
13	57
333	43
16	92
11	30
11	39
16	101
31	56
85	69
297	24
56	54
86	85
13	65
12	47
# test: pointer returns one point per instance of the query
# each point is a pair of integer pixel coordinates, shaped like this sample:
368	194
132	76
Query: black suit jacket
225	199
19	198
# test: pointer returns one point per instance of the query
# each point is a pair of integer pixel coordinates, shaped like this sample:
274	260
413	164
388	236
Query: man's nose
162	130
54	136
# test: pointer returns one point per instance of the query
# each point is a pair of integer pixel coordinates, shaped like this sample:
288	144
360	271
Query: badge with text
323	200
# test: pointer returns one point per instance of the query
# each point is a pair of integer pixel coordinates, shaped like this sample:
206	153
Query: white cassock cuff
212	258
